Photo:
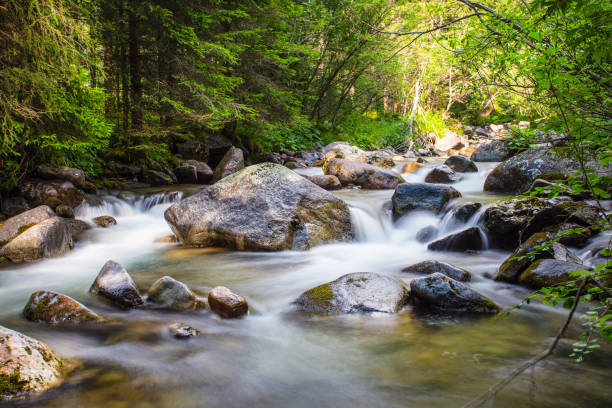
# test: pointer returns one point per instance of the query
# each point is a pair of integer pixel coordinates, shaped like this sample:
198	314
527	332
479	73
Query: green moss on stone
321	295
11	384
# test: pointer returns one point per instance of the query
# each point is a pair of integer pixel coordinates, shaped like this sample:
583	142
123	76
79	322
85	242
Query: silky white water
278	358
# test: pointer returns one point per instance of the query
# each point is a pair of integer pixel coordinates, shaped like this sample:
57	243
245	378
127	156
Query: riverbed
276	357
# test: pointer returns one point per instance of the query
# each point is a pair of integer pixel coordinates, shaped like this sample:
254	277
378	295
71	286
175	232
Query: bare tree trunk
415	104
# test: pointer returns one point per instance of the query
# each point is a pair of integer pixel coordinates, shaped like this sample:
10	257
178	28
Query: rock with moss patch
265	207
171	294
429	267
232	161
27	366
19	223
361	174
548	272
355	293
104	221
516	174
50	307
115	284
46	239
440	293
227	303
421	197
572	234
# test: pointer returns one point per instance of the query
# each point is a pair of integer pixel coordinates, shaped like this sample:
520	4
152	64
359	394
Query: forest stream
277	357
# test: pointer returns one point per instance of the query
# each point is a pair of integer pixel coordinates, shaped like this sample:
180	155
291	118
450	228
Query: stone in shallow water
27	366
361	174
429	267
265	207
104	221
183	331
115	284
227	303
421	196
548	272
468	239
326	182
426	234
51	307
355	293
442	174
174	295
461	164
441	293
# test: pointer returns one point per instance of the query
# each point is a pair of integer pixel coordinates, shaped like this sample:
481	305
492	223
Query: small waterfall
95	206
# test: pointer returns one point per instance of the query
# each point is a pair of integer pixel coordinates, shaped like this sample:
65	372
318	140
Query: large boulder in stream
421	196
27	366
444	294
19	223
115	284
442	174
429	267
548	272
493	151
46	239
50	307
232	162
355	293
265	207
466	240
461	164
171	294
361	174
517	174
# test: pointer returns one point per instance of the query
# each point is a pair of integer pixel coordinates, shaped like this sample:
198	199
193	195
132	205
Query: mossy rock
548	272
51	307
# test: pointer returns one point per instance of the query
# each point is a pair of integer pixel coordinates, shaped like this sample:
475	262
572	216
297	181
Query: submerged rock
115	284
548	272
183	331
265	207
441	293
516	174
326	182
51	307
421	196
355	293
27	366
76	227
232	161
493	151
427	233
174	295
46	239
461	164
227	303
361	174
104	221
442	174
429	267
19	223
468	239
464	212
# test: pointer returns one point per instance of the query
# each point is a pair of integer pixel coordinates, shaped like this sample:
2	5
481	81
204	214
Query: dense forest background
84	82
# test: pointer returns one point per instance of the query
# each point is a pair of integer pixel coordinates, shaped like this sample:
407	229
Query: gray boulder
75	176
380	158
115	284
468	239
157	178
76	227
361	174
51	307
493	151
204	173
19	223
171	294
421	196
517	174
186	174
442	174
429	267
461	164
326	182
46	239
548	272
27	366
444	294
232	162
343	150
265	207
355	293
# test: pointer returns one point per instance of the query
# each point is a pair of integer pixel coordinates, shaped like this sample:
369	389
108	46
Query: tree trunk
135	71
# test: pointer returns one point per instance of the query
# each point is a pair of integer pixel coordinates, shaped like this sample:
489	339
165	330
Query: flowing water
276	357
